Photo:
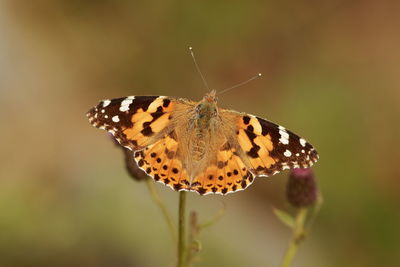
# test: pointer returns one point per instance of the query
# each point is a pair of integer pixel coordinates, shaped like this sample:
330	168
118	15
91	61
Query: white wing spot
102	111
302	142
115	119
285	166
106	103
125	103
302	151
297	154
106	116
284	136
287	153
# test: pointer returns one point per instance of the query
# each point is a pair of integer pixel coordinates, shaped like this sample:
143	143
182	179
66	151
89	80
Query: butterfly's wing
246	146
161	161
251	147
135	121
228	173
268	148
145	124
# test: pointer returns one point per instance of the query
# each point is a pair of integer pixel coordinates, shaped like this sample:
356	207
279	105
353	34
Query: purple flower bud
131	166
301	189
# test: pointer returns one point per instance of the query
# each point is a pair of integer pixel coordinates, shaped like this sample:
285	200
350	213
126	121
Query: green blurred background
330	73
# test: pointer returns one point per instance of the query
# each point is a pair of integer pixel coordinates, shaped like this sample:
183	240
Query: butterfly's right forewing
269	148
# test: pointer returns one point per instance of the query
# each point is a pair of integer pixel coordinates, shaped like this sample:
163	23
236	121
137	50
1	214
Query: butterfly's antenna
240	84
198	69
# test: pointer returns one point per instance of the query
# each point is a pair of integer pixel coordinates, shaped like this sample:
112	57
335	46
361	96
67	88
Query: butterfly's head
211	97
207	108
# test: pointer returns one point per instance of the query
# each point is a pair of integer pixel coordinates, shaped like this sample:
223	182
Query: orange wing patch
148	122
160	162
228	175
256	146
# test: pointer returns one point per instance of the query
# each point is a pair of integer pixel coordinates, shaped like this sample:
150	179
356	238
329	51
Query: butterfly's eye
200	111
214	112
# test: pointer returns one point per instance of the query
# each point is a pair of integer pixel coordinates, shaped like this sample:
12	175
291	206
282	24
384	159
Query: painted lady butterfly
197	146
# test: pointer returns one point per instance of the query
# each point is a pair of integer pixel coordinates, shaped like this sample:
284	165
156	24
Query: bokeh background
330	73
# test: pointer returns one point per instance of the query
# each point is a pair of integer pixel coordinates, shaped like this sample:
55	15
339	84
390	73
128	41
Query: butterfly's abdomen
199	146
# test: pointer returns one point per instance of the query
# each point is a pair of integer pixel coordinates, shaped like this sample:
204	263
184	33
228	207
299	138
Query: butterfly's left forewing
135	121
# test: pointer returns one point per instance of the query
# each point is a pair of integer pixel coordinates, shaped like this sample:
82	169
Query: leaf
284	217
196	245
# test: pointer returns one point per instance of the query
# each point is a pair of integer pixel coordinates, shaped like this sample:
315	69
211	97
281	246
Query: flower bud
301	189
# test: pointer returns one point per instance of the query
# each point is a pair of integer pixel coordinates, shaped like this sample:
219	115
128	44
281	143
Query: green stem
192	247
181	230
163	208
297	238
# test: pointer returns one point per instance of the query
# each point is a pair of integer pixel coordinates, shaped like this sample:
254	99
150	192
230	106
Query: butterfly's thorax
203	124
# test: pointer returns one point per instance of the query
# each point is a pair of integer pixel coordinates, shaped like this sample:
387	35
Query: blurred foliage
330	73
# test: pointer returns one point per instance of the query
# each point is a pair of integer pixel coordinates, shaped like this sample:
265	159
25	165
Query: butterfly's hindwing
228	175
160	161
135	121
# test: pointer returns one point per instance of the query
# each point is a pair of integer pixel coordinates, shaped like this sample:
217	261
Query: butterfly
198	146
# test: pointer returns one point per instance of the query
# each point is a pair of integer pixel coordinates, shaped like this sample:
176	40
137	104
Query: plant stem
297	237
181	230
163	208
193	243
